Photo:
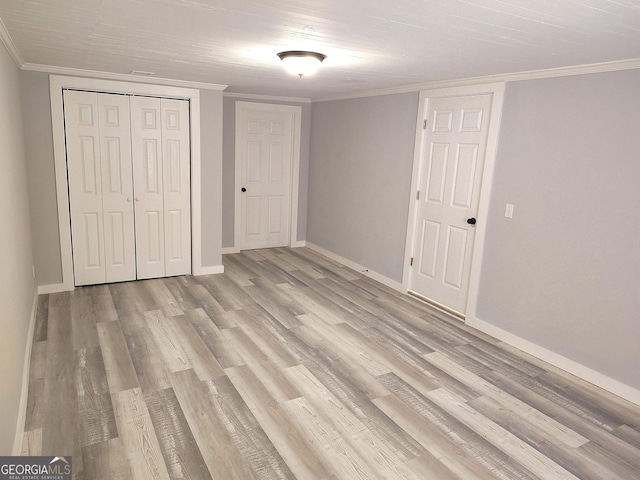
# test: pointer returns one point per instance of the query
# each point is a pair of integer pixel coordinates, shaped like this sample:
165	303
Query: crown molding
602	67
616	65
11	47
274	98
76	72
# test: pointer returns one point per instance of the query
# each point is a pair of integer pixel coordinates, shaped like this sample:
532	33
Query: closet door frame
57	84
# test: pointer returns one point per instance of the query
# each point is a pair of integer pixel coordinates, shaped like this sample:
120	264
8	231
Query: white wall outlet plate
508	210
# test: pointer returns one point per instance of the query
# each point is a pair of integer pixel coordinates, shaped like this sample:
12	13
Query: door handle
243	189
471	221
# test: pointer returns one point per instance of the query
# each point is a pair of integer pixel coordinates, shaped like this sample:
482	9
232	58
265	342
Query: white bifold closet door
128	164
100	187
162	186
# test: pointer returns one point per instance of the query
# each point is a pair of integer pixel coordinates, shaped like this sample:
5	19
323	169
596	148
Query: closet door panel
177	185
146	130
82	134
117	187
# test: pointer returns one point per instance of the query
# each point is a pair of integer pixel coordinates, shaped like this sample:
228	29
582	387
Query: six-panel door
453	153
266	139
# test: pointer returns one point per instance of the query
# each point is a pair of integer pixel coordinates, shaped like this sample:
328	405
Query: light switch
508	210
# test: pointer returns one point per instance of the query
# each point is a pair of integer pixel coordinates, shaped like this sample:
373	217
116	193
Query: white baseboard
52	288
378	277
213	270
297	244
585	373
22	409
61	287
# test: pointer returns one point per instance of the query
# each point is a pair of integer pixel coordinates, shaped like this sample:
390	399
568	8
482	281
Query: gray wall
17	287
360	179
564	273
36	109
229	173
42	187
211	171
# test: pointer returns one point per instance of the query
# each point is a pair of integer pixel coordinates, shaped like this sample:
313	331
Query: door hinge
418	195
424	124
411	262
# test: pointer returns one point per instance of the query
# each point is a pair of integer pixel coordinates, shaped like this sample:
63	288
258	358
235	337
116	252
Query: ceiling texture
370	44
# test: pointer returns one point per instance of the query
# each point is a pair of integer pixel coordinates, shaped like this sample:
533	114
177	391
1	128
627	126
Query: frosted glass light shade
301	63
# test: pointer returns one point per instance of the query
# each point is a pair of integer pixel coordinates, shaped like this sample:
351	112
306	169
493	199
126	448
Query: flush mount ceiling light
300	62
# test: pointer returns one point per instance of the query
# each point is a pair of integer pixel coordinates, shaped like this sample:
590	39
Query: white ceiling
370	44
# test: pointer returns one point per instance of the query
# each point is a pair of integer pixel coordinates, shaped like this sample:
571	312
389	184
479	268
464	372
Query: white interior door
100	187
453	152
264	148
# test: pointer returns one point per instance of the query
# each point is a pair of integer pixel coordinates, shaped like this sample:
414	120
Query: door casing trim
497	91
56	85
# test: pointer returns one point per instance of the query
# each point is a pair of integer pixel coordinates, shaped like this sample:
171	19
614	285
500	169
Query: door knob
243	189
471	221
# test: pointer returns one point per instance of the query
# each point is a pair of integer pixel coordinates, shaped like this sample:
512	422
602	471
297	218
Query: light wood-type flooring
290	365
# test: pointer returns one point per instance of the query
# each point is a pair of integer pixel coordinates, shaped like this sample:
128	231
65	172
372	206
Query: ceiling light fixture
301	63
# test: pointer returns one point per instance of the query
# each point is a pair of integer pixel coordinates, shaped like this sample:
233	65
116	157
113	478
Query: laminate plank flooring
292	366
